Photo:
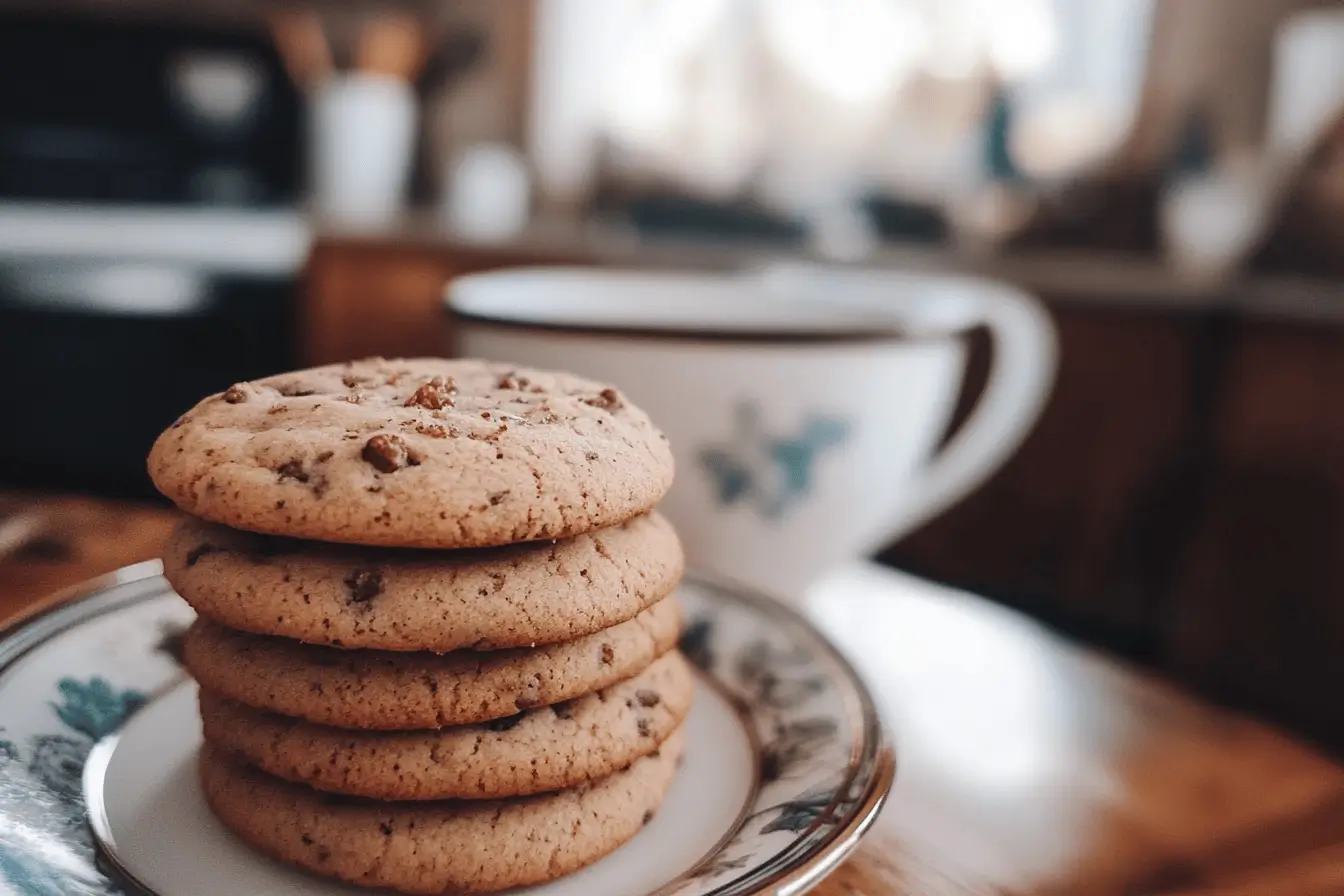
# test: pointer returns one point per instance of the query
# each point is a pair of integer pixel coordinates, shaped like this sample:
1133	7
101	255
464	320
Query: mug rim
868	328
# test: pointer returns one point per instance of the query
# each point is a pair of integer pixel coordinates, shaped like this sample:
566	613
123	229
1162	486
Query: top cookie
415	453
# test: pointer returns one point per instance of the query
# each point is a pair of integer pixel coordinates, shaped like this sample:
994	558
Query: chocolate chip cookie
535	751
519	595
437	847
389	691
415	453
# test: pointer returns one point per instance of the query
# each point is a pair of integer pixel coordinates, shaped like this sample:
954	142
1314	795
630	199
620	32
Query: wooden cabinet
1257	605
373	297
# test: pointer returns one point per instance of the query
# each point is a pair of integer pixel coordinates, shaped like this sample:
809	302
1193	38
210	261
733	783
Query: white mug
804	406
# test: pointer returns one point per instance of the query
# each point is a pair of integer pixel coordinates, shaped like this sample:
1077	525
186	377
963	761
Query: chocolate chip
645	728
389	453
496	498
512	380
505	723
590	455
364	584
607	654
325	456
434	395
292	469
648	817
307	841
564	710
385	828
195	554
323	854
235	394
608	400
648	698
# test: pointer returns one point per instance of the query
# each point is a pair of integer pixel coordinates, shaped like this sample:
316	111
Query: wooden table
1027	765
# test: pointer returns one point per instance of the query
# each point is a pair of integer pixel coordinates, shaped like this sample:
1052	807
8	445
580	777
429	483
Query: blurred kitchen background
197	193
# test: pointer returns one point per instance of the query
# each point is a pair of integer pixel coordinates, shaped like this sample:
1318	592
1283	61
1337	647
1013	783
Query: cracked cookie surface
420	452
518	595
436	847
384	690
535	751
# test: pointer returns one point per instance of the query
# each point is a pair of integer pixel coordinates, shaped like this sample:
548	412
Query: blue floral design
47	788
769	473
694	644
58	763
801	812
94	709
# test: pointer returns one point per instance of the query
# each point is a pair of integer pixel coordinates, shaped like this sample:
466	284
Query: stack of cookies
436	638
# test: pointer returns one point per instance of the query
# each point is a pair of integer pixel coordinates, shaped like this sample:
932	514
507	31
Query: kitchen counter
1069	276
1027	764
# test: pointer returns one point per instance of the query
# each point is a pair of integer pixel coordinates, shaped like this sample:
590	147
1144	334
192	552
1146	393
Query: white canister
363	137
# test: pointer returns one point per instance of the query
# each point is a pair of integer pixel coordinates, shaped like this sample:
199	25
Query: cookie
420	452
539	750
396	691
436	847
520	595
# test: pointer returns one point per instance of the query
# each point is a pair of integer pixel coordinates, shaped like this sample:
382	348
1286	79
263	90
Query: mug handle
1024	360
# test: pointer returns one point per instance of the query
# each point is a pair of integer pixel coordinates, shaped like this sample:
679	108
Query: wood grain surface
1027	764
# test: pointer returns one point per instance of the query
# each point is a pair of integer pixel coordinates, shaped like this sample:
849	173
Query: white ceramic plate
786	764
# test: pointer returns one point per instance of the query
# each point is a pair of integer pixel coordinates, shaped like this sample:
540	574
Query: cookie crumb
235	394
433	430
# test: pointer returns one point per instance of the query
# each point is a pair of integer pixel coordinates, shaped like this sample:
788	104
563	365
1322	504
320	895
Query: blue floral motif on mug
770	473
